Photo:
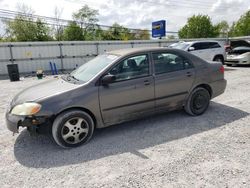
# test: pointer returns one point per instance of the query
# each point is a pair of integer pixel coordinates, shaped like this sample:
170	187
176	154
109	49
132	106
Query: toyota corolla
115	87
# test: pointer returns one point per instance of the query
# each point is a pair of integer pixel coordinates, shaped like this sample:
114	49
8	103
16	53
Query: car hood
43	90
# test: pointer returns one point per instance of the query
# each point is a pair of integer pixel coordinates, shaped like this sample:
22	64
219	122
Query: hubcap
199	101
75	130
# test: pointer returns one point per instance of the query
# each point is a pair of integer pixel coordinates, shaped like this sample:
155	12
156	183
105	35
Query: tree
87	18
73	32
117	32
242	26
222	28
170	37
141	35
58	28
24	28
199	26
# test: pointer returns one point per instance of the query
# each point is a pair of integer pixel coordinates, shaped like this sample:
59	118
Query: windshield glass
88	70
180	45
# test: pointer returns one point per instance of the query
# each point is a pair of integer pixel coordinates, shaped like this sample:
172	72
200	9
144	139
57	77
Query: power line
170	3
55	20
179	4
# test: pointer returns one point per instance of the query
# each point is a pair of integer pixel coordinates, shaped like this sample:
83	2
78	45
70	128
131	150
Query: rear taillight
222	70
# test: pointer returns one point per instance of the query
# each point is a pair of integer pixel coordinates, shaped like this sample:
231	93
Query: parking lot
167	150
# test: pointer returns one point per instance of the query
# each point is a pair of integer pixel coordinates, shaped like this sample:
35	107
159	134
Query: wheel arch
78	108
219	55
207	87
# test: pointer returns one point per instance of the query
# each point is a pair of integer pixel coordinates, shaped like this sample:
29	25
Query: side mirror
108	79
191	49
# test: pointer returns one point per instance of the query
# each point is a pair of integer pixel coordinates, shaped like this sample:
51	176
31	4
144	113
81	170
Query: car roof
128	51
197	41
204	41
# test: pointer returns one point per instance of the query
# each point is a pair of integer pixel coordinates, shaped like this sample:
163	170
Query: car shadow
42	152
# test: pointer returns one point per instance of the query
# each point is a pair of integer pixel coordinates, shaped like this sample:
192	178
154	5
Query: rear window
214	45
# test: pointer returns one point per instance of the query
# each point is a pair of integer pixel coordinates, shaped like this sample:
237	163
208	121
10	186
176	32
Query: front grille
232	61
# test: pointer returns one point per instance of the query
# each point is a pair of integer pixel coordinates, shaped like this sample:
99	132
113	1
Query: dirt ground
168	150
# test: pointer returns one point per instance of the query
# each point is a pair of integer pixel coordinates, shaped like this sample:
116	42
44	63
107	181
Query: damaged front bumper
34	124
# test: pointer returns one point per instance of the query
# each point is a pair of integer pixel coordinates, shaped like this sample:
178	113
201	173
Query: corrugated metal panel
113	46
75	62
76	50
33	65
31	56
3	68
138	45
24	52
4	53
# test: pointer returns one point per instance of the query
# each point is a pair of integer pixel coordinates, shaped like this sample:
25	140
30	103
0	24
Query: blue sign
159	28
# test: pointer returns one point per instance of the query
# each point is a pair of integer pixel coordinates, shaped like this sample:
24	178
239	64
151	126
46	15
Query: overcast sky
140	13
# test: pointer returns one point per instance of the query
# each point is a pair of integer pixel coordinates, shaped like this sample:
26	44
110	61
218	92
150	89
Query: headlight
26	109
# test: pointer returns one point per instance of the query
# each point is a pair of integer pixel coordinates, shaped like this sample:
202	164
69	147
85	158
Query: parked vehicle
238	56
115	87
208	50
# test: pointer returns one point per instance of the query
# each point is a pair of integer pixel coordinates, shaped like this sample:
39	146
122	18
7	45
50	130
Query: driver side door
132	92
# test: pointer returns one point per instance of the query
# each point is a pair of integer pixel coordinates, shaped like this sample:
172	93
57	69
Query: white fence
31	56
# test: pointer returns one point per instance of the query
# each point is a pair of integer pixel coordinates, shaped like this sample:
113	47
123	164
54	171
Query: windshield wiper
70	76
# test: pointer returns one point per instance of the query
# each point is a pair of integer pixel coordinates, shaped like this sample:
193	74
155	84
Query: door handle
146	82
189	74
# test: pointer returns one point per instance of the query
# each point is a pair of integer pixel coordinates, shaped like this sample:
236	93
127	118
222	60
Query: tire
198	101
219	59
229	65
72	128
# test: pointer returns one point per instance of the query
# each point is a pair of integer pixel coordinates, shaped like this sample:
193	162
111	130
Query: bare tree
58	25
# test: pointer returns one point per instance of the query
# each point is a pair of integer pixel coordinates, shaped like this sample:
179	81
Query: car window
214	45
196	46
130	68
201	45
168	62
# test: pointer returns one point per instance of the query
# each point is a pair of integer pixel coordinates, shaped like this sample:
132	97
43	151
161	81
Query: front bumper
33	124
13	122
236	62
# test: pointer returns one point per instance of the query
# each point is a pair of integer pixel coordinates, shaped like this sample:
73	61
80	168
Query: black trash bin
13	72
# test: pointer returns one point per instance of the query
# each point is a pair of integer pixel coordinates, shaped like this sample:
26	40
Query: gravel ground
168	150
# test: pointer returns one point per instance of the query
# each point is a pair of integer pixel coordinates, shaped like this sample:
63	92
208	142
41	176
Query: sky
139	13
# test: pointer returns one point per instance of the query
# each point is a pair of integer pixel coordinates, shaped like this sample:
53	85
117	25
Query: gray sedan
115	87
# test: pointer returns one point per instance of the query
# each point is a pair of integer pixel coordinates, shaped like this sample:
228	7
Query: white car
238	56
208	50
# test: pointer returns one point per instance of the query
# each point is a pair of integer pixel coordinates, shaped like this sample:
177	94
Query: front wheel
198	102
72	128
219	59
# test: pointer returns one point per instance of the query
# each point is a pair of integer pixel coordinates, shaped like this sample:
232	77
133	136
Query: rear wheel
198	101
230	65
72	128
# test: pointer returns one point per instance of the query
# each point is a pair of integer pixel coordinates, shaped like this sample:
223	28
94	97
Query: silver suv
208	50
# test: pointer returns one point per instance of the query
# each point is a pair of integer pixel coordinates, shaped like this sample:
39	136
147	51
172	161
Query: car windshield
88	70
180	45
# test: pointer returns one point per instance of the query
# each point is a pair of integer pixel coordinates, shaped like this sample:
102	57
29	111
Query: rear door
174	76
201	49
131	94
